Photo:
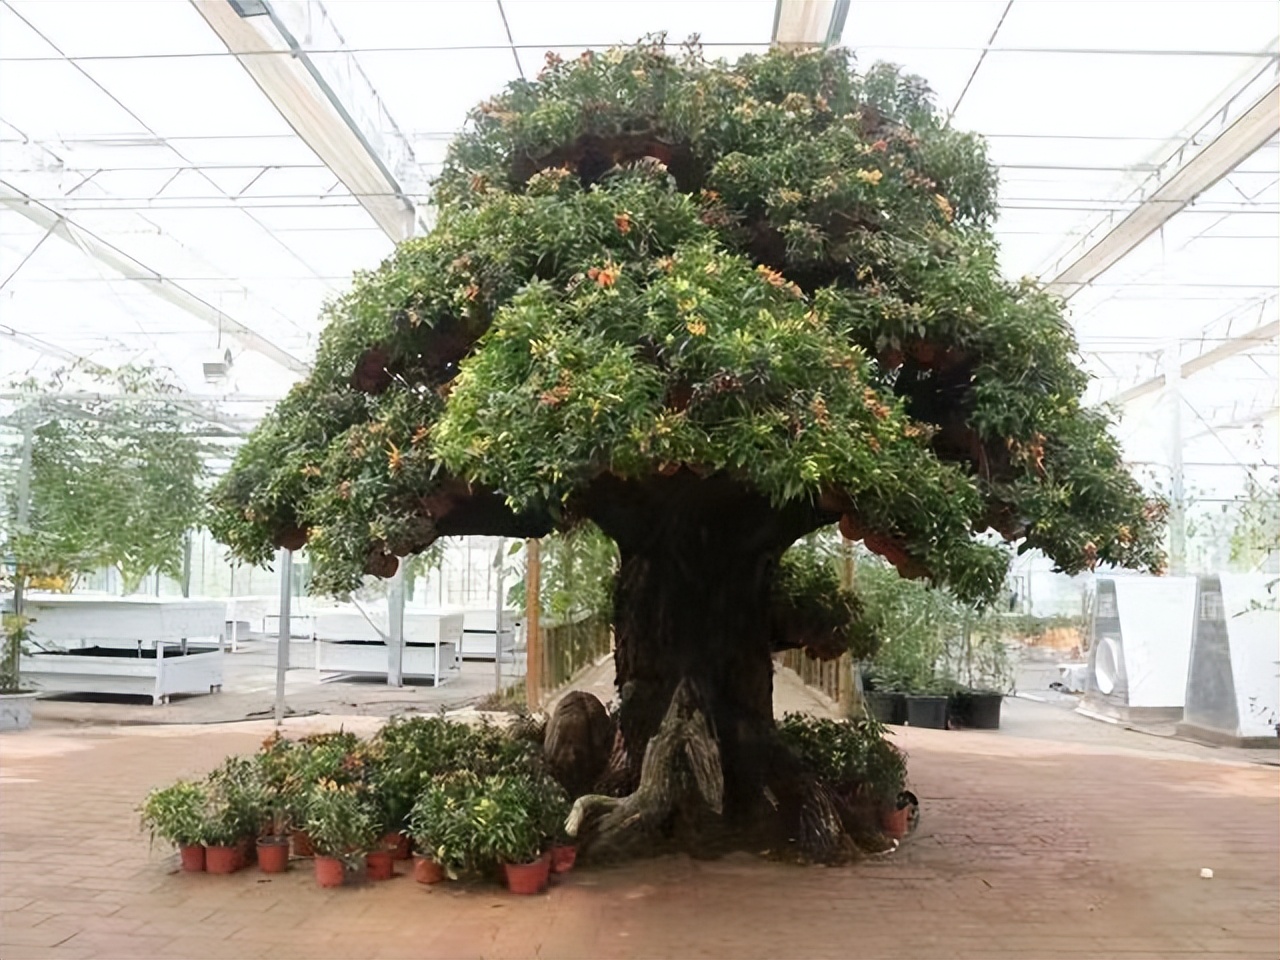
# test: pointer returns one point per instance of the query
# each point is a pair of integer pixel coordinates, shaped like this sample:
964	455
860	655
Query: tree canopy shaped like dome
776	273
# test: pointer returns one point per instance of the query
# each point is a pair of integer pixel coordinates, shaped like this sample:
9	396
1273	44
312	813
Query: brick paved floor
1027	849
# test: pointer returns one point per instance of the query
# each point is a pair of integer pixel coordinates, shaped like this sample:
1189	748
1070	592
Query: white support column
499	560
1177	492
395	627
282	647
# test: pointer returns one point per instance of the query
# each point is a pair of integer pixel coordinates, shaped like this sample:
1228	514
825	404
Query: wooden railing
832	678
569	647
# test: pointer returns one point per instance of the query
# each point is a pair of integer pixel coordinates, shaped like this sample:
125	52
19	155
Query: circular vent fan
1106	666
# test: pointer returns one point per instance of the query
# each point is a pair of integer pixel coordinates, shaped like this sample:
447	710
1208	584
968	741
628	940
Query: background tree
711	308
116	477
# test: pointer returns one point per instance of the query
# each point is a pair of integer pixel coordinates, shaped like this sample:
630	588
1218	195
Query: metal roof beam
328	101
116	259
1263	333
809	23
1202	160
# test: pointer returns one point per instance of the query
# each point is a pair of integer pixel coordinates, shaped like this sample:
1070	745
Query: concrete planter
15	710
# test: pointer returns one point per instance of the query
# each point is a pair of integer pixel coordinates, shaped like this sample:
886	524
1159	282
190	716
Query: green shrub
847	754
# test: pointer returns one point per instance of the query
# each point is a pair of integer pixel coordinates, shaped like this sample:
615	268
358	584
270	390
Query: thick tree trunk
692	614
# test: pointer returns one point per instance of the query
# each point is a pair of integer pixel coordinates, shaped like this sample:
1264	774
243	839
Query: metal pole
395	627
500	563
1177	505
533	641
24	519
282	647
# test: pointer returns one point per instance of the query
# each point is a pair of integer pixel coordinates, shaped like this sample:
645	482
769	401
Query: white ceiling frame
809	23
116	259
1195	167
329	103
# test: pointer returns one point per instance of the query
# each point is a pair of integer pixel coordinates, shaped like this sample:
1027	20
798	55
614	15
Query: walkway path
1027	848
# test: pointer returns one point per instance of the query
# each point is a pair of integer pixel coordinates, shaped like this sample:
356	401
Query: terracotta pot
302	844
222	859
527	878
379	865
273	854
398	844
426	870
893	822
330	871
192	857
563	857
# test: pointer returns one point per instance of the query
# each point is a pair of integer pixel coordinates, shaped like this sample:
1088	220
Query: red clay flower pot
426	870
398	844
379	865
527	878
893	823
302	844
273	854
222	859
563	857
192	858
330	871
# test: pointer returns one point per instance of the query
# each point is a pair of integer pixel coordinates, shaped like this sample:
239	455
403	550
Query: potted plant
983	663
177	814
275	785
334	756
433	825
238	805
15	702
509	828
927	703
392	781
866	772
342	829
224	833
883	696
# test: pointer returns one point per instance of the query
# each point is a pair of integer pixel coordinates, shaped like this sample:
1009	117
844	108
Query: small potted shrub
276	789
15	702
510	822
238	807
434	826
224	833
177	814
334	756
342	829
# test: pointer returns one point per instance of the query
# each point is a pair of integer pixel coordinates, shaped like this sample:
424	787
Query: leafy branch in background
116	476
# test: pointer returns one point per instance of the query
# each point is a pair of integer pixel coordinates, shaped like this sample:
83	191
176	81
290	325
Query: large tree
711	308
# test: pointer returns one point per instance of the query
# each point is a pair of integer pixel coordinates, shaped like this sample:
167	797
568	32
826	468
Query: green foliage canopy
778	271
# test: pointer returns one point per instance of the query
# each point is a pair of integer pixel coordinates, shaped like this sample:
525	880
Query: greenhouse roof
181	179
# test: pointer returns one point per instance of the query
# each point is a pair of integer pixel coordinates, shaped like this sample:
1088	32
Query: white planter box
420	626
437	662
168	672
78	620
477	634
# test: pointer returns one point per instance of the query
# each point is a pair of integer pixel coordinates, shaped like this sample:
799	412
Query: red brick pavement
1027	849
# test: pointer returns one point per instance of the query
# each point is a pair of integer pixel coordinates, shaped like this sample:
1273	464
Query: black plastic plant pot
982	710
925	711
886	706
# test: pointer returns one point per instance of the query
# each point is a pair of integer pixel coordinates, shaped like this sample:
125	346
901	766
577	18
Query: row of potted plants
938	705
468	799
